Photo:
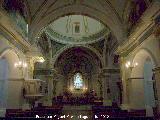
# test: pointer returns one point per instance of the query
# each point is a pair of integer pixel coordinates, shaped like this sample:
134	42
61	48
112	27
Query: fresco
137	9
18	15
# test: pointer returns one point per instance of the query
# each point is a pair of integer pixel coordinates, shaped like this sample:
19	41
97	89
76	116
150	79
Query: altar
87	98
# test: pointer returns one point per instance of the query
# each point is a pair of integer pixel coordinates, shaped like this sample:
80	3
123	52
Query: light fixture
20	64
71	88
41	59
85	88
131	66
27	28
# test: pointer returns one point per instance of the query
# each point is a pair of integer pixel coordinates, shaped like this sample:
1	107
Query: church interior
80	59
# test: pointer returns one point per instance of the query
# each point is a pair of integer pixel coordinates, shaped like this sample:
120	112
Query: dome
76	29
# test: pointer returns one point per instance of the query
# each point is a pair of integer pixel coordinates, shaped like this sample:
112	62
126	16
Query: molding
111	70
71	40
88	10
66	47
13	39
136	78
156	69
132	44
47	72
16	79
143	30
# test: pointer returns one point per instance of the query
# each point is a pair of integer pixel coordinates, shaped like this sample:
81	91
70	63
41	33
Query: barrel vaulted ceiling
43	12
120	16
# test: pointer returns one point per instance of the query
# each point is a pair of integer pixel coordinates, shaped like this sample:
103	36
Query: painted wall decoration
43	44
17	12
137	8
99	45
56	47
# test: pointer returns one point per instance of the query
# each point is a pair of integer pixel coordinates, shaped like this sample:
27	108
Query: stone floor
77	112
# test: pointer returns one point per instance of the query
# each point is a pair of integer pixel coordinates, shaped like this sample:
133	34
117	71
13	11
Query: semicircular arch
56	56
107	17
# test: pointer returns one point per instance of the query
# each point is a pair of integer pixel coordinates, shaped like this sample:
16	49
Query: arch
84	46
11	57
141	89
4	51
140	58
107	16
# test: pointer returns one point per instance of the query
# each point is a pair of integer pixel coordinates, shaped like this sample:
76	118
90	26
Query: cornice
156	69
142	31
13	39
16	79
111	70
132	43
47	72
70	40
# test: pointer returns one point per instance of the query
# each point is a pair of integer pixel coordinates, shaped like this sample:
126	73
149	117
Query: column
48	98
54	82
105	53
49	76
125	84
157	82
30	67
105	88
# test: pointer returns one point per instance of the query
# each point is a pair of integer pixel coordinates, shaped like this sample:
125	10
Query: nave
82	58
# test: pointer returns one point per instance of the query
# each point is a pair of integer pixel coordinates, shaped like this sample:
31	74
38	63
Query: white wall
14	82
3	82
138	90
148	84
15	98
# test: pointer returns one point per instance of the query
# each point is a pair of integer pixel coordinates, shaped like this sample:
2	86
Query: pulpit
33	90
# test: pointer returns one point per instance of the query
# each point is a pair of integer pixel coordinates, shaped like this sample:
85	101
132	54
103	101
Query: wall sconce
20	65
131	66
71	88
41	59
85	88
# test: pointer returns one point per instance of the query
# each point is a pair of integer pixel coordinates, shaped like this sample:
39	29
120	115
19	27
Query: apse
79	65
78	59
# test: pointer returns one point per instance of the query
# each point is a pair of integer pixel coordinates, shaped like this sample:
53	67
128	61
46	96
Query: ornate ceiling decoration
76	29
77	59
44	12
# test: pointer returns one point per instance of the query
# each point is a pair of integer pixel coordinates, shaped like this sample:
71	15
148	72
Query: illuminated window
76	28
78	81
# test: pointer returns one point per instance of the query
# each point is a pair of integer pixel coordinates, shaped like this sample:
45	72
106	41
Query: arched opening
79	66
141	89
10	76
107	17
78	81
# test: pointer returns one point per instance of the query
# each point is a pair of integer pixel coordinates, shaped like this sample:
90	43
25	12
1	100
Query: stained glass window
78	81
